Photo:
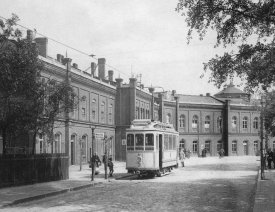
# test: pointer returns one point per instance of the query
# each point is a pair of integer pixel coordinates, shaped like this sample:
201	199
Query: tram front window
139	141
149	142
130	142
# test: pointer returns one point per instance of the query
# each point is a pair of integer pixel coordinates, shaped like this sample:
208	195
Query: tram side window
174	142
139	142
130	142
166	142
149	141
170	142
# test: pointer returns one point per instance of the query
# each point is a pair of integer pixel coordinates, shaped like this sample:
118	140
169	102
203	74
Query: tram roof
147	124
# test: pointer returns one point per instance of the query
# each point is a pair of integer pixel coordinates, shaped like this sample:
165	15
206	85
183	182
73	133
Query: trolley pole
92	160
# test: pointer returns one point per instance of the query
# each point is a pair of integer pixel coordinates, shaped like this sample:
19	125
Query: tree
28	103
236	23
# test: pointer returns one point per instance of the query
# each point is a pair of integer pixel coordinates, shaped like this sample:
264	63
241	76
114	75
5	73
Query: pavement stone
265	195
77	180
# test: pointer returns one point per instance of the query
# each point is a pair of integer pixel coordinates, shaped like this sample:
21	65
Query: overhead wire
70	47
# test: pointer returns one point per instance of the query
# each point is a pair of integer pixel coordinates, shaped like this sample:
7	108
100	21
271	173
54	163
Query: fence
21	169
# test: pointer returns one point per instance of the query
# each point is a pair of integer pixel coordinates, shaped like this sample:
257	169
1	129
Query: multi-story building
228	120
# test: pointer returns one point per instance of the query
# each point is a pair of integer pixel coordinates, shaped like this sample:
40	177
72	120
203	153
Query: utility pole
106	157
262	138
80	153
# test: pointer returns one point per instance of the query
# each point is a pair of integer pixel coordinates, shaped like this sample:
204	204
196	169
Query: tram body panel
142	160
152	147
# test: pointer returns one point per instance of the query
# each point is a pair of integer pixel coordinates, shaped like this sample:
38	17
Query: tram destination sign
99	135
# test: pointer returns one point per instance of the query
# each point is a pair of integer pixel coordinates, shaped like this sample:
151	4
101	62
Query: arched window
207	146
57	143
195	146
256	123
102	108
195	123
256	146
219	124
110	113
182	144
84	147
234	146
168	118
234	122
207	123
245	120
94	107
182	121
84	107
219	145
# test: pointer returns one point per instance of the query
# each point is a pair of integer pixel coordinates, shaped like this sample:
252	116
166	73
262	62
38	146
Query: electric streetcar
152	148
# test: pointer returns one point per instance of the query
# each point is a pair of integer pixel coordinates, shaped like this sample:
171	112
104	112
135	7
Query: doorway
245	148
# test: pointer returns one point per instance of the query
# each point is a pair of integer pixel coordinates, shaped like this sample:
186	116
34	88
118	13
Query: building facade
228	119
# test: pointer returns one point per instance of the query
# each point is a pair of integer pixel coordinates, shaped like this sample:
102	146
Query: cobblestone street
204	184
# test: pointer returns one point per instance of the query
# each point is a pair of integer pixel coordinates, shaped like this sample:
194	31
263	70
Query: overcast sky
144	37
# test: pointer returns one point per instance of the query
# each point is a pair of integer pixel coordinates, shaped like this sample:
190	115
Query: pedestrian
182	157
111	167
269	158
96	161
221	153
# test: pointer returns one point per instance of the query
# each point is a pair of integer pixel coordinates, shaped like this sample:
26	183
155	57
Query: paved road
204	184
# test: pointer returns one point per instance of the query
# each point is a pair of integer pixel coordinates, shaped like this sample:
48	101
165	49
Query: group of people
96	160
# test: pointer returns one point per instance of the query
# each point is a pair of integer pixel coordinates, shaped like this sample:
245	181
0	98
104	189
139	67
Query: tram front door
160	151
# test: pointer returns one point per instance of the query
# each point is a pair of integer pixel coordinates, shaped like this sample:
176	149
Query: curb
53	193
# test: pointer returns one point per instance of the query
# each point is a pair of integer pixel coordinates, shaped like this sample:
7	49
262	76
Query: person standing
96	161
182	157
111	167
269	158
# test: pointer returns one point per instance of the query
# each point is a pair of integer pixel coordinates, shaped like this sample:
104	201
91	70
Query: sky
145	38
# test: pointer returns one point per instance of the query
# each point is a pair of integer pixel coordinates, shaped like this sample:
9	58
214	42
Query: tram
152	148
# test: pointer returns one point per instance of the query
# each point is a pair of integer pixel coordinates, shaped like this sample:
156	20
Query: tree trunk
4	136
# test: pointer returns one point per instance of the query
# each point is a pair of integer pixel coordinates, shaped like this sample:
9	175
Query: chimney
119	82
93	68
173	92
59	58
75	65
101	68
133	82
30	35
111	75
42	45
207	94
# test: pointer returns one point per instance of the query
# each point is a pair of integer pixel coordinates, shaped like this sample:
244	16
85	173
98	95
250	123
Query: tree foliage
236	23
27	103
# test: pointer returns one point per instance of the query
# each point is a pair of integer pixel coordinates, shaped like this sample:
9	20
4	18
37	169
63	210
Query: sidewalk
77	180
265	193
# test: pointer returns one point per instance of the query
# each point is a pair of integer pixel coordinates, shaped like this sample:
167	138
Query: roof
231	89
194	99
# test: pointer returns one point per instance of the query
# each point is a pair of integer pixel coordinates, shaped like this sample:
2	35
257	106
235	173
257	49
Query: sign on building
99	135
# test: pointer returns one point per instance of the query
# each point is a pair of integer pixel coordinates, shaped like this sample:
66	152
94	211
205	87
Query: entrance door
72	153
245	148
160	151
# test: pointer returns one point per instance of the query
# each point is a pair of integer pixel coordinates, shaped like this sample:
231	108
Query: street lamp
262	137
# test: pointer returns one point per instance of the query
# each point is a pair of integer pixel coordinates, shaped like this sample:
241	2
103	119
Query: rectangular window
83	112
170	142
93	115
157	141
149	141
174	142
166	142
234	147
130	142
139	139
